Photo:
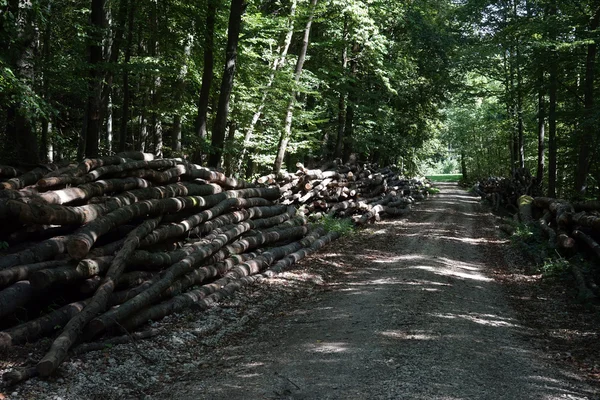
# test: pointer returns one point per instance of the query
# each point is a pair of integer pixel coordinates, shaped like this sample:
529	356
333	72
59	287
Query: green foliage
445	178
556	266
3	245
344	226
432	190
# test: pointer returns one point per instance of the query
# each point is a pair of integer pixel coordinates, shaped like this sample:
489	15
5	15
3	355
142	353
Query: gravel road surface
416	316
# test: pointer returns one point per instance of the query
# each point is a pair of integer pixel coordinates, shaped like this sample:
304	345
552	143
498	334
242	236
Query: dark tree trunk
541	127
94	104
552	92
220	125
19	54
339	143
589	124
125	141
207	74
176	134
350	107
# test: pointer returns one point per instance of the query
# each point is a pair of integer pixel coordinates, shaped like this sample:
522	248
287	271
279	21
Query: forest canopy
483	87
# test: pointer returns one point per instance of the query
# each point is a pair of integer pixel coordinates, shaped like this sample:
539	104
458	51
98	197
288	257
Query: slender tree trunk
125	140
109	123
220	126
552	145
339	143
113	58
155	122
94	105
279	61
552	98
463	165
46	44
176	134
207	75
351	107
177	127
541	127
285	135
349	129
589	124
228	162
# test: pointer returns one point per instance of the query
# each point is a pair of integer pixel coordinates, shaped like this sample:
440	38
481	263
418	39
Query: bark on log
196	297
588	220
543	223
178	269
28	178
46	325
87	191
196	171
170	231
42	252
22	272
593	245
525	204
80	243
60	347
15	296
31	213
15	376
87	268
6	171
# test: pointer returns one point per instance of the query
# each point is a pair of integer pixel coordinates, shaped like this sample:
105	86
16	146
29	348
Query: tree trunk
285	135
279	61
176	134
339	143
207	75
233	35
19	56
94	103
125	140
541	127
350	108
552	91
589	124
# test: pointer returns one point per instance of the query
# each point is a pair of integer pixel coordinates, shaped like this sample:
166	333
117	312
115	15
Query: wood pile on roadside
504	192
567	227
363	192
103	246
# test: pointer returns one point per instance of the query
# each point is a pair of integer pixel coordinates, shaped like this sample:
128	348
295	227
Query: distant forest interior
472	87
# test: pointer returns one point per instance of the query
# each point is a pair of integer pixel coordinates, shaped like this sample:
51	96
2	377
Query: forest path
416	315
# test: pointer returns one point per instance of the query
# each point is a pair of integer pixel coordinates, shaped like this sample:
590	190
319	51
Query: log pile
105	245
364	192
504	192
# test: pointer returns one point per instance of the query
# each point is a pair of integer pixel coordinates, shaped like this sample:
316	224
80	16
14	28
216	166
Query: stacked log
569	228
505	192
114	242
363	192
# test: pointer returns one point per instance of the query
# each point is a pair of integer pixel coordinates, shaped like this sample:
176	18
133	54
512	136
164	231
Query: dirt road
415	315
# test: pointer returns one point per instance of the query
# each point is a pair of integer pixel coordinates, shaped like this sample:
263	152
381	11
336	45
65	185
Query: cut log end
79	247
46	367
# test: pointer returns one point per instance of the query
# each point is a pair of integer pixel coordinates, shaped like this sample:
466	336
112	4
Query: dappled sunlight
404	335
453	273
473	241
327	347
481	319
